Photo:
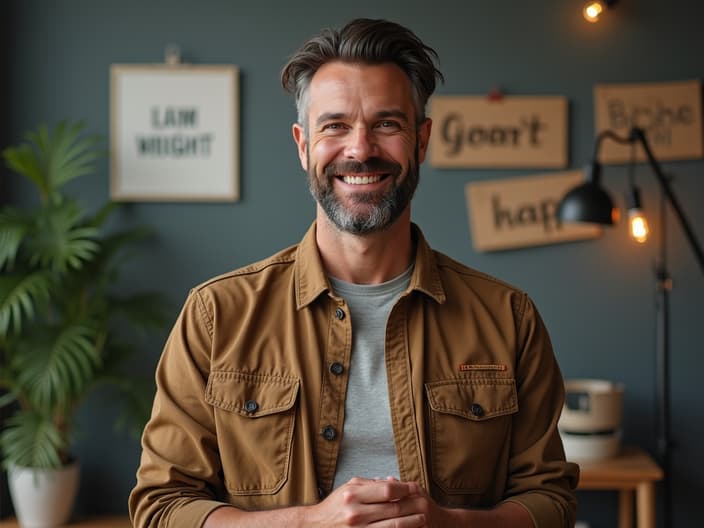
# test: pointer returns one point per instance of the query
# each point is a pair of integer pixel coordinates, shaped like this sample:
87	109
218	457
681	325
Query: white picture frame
174	132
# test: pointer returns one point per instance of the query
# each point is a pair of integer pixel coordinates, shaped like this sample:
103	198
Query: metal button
476	409
340	313
329	432
321	492
337	368
250	406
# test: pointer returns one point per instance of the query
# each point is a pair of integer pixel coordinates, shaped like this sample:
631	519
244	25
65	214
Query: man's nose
362	144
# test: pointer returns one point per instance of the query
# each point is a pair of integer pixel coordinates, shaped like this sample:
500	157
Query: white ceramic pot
43	498
586	448
591	405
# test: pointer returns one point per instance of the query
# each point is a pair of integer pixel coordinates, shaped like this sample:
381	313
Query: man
358	378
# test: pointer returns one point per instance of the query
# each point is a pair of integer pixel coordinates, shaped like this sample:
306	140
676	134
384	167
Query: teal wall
597	297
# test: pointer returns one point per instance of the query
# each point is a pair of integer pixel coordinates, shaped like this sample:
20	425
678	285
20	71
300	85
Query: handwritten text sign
474	131
174	133
519	212
670	113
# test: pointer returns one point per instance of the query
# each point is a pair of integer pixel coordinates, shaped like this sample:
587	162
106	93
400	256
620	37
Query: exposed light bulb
592	10
638	225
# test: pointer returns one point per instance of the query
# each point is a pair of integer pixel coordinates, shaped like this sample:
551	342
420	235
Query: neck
365	259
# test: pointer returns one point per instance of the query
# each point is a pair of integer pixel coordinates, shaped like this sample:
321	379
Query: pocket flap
474	399
251	395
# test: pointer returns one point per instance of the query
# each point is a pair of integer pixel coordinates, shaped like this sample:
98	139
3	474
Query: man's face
363	145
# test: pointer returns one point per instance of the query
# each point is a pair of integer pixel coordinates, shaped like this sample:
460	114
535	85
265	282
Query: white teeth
360	180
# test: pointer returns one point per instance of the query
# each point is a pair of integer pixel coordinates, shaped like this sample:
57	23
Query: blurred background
596	296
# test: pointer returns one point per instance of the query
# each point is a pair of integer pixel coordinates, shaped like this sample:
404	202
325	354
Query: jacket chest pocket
470	426
255	418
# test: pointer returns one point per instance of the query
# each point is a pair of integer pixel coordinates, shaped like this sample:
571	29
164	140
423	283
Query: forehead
344	87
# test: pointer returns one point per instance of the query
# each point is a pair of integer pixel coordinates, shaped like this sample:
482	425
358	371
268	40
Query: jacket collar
311	280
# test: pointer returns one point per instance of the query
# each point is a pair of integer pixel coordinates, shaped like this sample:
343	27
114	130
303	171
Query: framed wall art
174	133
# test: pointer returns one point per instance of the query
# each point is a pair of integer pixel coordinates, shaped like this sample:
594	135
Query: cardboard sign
520	212
669	113
174	133
474	131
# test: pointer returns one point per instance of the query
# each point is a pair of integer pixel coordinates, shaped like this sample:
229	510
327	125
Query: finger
371	492
416	489
416	520
398	514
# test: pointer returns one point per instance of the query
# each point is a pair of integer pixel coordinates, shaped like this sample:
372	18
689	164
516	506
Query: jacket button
329	432
321	492
340	313
337	368
250	406
476	409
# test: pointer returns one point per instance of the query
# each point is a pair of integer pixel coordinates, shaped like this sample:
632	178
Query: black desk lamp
589	202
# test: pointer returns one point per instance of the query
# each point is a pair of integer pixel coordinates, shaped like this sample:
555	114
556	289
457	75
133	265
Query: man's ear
424	138
299	136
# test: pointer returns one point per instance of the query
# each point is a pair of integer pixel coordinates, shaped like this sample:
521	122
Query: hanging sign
516	131
670	113
174	133
520	212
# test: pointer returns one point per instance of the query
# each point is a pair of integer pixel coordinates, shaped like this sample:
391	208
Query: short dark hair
367	41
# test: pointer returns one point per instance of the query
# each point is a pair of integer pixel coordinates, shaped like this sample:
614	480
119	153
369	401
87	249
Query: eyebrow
334	116
329	116
393	113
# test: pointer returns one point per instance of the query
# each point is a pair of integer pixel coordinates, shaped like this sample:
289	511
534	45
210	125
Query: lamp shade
587	202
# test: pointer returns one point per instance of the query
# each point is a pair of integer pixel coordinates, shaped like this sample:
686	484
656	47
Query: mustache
357	167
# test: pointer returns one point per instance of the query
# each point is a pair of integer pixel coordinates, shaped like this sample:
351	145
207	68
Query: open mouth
363	180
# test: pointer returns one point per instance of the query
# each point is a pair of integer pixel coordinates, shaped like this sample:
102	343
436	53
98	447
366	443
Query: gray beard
378	211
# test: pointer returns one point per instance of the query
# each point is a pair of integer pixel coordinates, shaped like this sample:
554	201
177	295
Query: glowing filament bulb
592	10
638	225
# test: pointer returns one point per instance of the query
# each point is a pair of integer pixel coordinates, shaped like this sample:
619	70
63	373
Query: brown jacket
250	401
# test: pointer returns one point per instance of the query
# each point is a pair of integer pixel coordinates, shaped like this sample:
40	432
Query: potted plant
64	330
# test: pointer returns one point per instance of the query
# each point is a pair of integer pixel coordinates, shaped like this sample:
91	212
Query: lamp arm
612	136
637	134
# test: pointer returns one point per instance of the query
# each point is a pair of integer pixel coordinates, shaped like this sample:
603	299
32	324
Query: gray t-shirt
367	448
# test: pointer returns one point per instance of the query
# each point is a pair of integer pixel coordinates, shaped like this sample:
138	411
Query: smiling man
359	378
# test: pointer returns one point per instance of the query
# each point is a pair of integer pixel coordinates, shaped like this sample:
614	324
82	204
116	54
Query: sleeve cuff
543	510
193	514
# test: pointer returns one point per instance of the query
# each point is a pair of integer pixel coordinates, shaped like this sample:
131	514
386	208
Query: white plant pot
43	498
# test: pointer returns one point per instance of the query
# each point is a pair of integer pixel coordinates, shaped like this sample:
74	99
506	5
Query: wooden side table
633	471
96	522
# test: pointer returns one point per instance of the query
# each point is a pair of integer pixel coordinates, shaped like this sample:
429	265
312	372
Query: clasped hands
379	503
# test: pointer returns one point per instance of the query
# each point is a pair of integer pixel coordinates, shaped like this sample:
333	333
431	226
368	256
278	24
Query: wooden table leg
645	504
625	508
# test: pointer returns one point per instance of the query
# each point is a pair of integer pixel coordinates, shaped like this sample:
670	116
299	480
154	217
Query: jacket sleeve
539	477
178	476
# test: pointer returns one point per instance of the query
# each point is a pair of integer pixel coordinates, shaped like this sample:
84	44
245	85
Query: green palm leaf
51	159
54	368
30	440
61	241
20	295
23	160
13	228
71	156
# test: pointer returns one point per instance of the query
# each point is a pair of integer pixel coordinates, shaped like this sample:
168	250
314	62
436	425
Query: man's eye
333	126
388	124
